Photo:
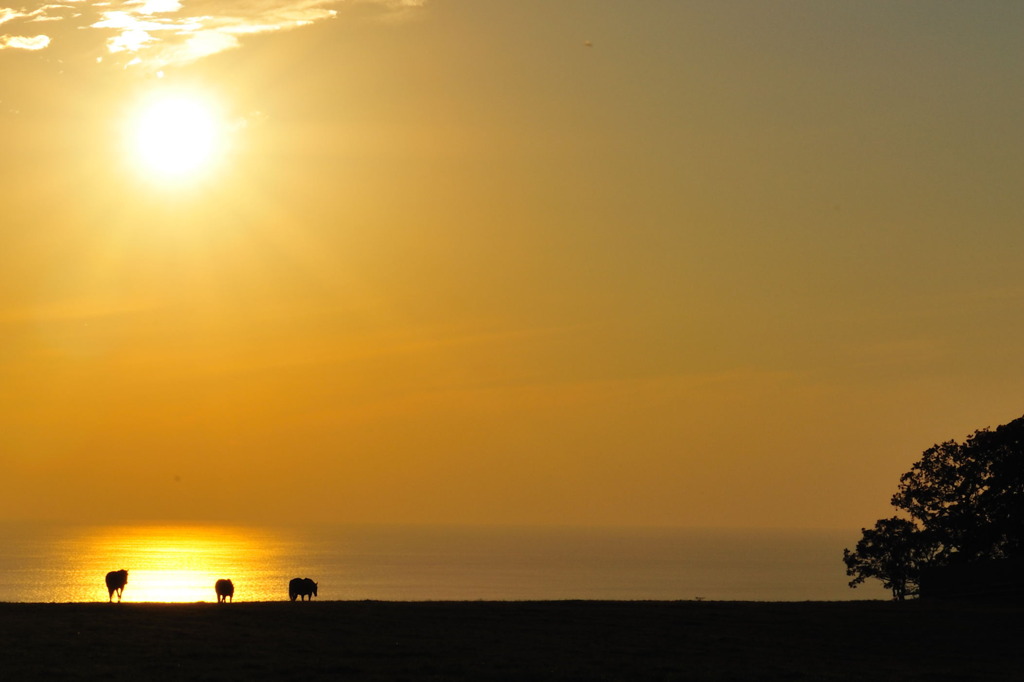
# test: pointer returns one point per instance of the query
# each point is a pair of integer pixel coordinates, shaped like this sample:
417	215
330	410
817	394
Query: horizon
516	263
465	525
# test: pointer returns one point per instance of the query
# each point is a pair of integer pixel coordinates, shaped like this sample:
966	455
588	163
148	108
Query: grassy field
573	640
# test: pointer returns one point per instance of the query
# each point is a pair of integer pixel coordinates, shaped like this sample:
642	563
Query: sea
180	563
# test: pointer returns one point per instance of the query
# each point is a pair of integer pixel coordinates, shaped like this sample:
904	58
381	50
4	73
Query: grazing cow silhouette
116	580
302	588
225	590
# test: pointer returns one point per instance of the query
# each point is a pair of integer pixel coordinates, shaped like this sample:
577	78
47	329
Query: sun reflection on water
175	563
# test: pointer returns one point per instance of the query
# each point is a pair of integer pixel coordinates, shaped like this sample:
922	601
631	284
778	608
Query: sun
177	136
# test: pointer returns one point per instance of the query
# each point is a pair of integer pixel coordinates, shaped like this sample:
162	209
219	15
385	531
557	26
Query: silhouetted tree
894	551
965	503
970	495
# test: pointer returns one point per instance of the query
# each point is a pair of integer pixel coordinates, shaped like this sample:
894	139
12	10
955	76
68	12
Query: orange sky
728	264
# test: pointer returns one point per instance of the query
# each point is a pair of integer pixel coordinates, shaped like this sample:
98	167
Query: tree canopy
960	503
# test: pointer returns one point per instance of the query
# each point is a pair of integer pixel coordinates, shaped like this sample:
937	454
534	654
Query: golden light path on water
180	563
173	563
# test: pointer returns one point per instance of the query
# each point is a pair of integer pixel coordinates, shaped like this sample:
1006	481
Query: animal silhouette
302	588
116	580
225	590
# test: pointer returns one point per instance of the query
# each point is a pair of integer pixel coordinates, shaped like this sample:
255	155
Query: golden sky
514	261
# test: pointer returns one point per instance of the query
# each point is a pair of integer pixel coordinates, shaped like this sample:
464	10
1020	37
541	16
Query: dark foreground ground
579	640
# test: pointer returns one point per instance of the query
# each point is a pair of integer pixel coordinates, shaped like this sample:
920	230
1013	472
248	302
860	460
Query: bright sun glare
176	136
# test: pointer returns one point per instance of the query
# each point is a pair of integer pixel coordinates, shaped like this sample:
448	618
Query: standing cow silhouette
225	590
116	580
302	588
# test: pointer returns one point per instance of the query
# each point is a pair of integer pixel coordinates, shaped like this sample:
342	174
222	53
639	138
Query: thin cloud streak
10	14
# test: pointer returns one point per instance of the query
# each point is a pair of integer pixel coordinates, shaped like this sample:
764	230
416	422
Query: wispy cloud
161	33
24	42
53	12
10	14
